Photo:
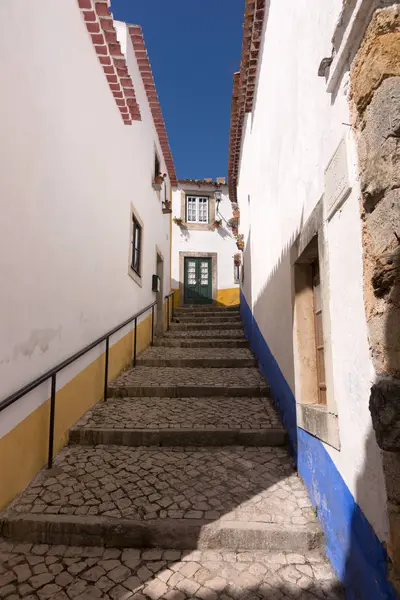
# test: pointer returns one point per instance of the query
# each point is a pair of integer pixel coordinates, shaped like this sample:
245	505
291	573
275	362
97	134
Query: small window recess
158	176
136	248
237	269
315	404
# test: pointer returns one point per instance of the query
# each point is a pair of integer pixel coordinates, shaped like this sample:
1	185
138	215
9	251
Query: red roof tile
244	85
136	35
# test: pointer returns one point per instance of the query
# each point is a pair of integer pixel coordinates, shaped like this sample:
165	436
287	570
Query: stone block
379	144
378	57
385	410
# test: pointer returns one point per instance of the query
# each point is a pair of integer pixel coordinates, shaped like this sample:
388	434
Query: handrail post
152	325
52	418
173	302
167	313
134	343
106	370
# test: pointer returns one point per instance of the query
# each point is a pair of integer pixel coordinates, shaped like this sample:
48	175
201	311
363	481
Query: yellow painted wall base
176	297
228	297
23	451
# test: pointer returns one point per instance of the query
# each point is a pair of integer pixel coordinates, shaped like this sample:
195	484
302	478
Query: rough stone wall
375	101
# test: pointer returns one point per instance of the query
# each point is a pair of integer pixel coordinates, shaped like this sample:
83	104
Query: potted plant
158	181
217	223
236	213
240	241
167	208
235	231
237	259
233	222
178	221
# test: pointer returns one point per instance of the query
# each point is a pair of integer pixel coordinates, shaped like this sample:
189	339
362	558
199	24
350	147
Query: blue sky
194	48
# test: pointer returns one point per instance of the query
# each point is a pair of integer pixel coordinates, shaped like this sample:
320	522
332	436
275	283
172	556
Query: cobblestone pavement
175	413
199	353
236	484
41	572
201	376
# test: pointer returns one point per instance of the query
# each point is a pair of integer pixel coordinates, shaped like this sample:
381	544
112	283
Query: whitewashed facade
77	166
294	168
202	239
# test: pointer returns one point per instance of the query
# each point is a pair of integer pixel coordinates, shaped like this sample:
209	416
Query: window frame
318	416
136	228
197	198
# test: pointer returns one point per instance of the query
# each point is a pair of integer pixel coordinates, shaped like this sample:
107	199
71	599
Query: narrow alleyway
188	455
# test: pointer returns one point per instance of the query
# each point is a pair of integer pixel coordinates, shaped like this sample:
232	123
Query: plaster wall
289	140
210	240
70	173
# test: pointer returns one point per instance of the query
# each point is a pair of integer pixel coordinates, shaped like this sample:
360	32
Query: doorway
197	280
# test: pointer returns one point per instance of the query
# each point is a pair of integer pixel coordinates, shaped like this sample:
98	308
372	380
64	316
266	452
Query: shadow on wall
276	298
355	551
385	394
223	232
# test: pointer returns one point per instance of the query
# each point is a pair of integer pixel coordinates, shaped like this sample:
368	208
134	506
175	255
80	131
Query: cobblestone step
62	572
180	342
175	382
181	422
232	498
197	357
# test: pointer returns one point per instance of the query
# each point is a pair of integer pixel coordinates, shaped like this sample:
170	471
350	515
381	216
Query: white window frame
197	209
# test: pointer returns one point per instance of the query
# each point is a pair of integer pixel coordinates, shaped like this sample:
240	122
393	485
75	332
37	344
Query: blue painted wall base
352	546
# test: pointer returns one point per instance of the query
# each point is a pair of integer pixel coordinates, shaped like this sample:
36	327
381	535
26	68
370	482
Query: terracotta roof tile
136	35
244	85
100	26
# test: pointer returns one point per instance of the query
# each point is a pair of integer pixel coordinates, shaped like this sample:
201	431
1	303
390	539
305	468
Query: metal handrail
167	297
52	373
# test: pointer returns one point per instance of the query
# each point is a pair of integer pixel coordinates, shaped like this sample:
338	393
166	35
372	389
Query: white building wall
70	171
288	142
219	240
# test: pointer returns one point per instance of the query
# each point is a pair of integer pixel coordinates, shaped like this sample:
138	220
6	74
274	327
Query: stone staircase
187	458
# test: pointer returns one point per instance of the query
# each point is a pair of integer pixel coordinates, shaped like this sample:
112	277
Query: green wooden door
198	280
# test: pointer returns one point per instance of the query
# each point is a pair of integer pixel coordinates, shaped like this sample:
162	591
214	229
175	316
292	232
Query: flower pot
240	244
236	213
167	208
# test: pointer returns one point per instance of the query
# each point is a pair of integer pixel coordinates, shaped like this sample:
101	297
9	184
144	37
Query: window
197	209
157	168
236	273
136	245
319	336
316	409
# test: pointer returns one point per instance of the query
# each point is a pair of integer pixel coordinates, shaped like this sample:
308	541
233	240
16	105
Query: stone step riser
207	309
209	320
194	335
187	391
174	534
204	326
210	316
172	438
171	342
198	362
